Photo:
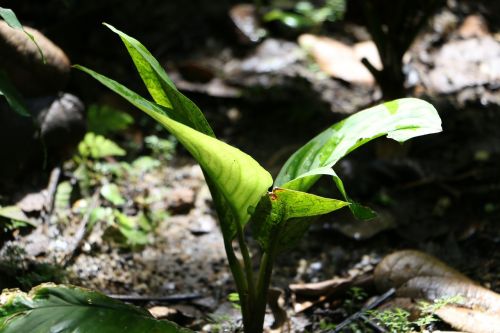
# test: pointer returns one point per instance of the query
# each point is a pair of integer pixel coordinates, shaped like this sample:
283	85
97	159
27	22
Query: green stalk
239	279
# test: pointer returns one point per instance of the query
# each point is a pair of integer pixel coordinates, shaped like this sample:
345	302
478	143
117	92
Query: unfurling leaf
68	309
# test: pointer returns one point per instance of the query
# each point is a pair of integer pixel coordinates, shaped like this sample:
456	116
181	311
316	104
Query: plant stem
239	279
247	261
259	309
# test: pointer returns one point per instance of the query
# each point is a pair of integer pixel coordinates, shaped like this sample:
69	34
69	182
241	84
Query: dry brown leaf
341	60
275	300
470	320
307	295
417	275
399	267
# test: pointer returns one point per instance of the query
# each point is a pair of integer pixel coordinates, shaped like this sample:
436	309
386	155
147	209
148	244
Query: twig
51	192
165	299
81	233
379	300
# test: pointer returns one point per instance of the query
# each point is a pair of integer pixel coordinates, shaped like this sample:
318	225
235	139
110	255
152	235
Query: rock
49	136
22	61
456	67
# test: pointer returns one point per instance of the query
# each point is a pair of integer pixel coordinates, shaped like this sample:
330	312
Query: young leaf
239	178
68	309
11	19
13	97
181	109
161	87
283	216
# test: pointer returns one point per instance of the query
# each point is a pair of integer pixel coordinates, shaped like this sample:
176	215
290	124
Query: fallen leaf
470	320
417	275
275	300
341	60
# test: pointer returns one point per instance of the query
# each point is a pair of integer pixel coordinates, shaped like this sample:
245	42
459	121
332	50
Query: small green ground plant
278	212
398	320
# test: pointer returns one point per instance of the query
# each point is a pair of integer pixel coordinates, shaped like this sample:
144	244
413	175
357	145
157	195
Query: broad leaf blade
161	87
282	217
400	120
239	178
67	309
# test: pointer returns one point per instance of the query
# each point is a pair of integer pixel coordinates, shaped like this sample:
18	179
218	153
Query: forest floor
155	235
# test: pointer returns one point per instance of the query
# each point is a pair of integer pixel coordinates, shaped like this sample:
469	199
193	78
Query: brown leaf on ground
417	275
470	320
341	60
311	294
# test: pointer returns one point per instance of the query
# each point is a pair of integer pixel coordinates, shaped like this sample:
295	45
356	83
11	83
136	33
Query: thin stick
379	300
165	299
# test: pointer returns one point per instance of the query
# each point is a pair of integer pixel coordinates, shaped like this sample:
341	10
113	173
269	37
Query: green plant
305	15
243	191
398	320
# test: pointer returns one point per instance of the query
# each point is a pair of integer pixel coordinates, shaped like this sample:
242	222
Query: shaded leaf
68	309
13	97
96	146
11	19
282	217
103	119
239	178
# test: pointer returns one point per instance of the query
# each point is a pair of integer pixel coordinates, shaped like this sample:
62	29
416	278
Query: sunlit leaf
68	309
102	119
96	146
400	120
239	178
111	192
161	87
